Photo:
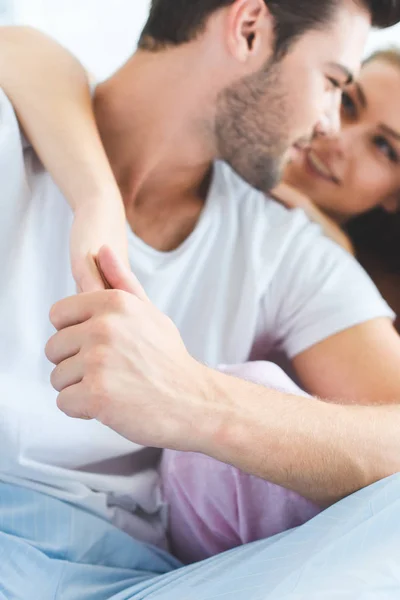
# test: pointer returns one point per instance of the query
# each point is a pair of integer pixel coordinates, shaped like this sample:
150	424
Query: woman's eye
383	146
349	108
334	83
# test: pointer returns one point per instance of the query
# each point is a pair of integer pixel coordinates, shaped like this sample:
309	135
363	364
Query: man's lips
319	167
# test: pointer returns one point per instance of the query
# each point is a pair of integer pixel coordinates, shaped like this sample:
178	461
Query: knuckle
96	392
55	315
96	359
63	406
55	379
49	350
118	301
70	408
102	329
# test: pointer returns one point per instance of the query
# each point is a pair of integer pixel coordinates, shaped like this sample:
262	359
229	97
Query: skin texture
203	87
121	361
44	81
259	117
364	158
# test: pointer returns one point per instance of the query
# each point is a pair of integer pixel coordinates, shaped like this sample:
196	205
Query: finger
67	373
75	310
71	401
278	192
117	275
65	343
91	279
106	284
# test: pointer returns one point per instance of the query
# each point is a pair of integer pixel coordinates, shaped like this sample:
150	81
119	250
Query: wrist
217	415
102	202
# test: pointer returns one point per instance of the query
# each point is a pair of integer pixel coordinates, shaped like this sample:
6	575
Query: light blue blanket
50	550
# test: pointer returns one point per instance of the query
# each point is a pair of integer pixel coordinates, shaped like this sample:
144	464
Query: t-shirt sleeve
13	181
317	291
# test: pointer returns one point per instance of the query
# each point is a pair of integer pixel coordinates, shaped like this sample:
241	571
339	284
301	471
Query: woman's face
359	168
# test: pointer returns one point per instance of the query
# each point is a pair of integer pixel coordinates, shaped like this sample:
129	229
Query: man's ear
392	204
250	31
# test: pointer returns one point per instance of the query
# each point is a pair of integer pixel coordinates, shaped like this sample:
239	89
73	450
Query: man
241	81
306	300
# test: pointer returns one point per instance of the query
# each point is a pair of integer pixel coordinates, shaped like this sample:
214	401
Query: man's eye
349	108
334	83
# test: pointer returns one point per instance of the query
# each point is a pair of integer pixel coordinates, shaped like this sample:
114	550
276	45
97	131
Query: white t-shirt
250	273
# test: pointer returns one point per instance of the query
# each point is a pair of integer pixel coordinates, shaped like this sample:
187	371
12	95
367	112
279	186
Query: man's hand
95	226
121	361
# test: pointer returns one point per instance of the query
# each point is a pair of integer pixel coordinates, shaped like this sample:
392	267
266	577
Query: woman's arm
292	198
50	93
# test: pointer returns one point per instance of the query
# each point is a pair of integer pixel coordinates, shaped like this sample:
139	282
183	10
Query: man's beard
251	127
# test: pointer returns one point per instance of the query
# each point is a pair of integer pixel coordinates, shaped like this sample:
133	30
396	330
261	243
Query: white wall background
103	33
384	38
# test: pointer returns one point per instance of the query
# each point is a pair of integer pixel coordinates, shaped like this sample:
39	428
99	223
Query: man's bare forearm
323	451
141	382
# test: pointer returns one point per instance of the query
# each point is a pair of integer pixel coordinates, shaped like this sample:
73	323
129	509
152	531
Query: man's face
263	115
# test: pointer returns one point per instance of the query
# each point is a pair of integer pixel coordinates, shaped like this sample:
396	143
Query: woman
344	176
350	183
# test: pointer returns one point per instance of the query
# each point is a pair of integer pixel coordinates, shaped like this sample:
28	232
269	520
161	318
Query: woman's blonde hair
389	55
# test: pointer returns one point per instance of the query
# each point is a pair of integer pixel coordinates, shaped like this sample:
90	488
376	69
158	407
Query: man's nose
329	124
337	146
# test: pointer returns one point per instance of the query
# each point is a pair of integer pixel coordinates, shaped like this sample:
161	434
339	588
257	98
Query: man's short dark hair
174	22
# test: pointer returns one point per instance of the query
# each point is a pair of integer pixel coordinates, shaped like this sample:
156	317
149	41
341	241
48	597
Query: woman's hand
293	198
290	197
94	226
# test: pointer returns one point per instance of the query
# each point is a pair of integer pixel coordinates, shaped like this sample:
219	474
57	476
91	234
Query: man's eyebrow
347	74
390	131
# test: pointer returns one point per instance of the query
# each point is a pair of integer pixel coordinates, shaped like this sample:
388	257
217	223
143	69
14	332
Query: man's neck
157	139
153	119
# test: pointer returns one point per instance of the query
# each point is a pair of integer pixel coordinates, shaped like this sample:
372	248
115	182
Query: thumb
89	278
117	275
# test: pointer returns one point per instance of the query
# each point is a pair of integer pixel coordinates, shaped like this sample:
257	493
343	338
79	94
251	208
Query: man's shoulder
281	237
255	208
278	242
